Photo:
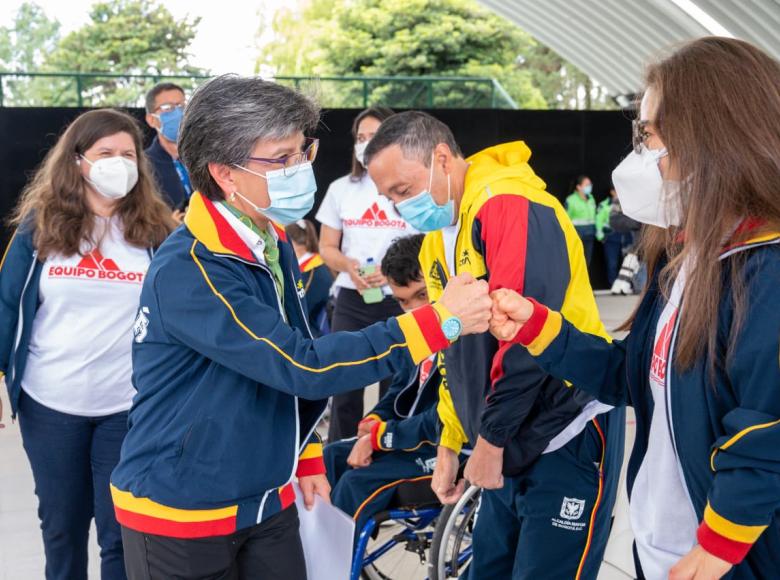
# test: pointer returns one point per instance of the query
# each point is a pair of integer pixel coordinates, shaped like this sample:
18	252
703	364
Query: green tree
419	37
122	37
23	48
403	38
33	35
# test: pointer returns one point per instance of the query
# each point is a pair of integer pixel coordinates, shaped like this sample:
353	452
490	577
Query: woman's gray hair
228	115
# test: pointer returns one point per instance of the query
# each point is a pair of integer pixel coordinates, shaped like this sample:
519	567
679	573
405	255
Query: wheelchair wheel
406	559
451	547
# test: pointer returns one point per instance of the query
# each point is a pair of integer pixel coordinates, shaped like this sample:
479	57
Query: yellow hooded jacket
514	234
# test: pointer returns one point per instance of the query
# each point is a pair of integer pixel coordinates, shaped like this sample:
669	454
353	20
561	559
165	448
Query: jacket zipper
668	406
20	323
297	444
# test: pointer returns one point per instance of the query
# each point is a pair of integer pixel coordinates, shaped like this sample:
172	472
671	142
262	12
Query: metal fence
77	89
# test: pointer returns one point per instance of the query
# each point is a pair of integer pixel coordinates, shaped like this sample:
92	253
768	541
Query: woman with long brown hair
700	365
70	282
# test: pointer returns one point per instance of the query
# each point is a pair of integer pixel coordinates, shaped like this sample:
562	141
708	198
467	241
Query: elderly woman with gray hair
230	382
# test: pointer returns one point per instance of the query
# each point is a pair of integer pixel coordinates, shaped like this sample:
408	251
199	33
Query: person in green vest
581	208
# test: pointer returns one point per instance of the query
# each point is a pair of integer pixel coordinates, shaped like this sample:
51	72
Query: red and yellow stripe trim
423	333
597	504
313	262
377	431
540	330
145	515
725	539
310	461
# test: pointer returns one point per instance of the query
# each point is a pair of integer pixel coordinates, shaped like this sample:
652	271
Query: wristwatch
451	325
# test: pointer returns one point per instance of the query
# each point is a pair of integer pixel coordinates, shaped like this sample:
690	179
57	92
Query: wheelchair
416	537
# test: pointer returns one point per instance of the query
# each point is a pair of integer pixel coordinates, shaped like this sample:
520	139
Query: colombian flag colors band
540	330
310	462
725	539
149	517
422	330
145	515
377	430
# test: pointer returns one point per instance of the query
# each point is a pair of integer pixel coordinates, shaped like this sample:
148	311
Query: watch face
451	328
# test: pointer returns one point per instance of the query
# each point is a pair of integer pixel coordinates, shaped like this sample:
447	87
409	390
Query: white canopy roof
611	40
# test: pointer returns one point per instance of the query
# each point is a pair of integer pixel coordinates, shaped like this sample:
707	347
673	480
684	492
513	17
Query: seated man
396	442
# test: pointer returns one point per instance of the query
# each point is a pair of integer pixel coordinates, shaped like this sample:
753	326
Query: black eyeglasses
292	162
638	134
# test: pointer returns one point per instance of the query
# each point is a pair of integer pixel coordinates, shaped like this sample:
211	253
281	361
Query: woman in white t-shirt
70	282
358	225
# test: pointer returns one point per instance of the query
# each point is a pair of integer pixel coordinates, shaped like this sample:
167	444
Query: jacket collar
751	232
210	228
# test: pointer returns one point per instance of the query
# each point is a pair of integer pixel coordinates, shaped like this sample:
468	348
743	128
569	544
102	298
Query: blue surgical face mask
170	122
292	196
587	189
423	213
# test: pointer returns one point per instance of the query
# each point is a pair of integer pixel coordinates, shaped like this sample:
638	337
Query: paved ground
21	548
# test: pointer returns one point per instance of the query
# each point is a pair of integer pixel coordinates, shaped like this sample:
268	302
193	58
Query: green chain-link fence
66	89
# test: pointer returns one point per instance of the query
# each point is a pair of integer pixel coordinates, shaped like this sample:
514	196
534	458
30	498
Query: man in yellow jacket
547	455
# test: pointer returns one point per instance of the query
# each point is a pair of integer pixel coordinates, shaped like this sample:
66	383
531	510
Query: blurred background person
70	282
581	208
616	231
315	274
358	224
164	110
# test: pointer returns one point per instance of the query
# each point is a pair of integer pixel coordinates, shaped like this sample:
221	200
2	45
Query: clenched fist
509	313
469	300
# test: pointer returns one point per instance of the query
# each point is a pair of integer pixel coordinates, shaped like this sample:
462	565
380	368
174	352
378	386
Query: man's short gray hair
417	134
229	114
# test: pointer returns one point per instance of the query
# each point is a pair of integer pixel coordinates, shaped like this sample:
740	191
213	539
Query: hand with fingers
484	467
361	453
510	311
469	300
445	474
312	485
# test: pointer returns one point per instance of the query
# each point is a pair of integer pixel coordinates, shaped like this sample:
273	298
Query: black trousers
271	550
352	314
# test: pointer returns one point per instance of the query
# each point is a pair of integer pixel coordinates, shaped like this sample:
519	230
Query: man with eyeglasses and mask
164	110
230	382
546	455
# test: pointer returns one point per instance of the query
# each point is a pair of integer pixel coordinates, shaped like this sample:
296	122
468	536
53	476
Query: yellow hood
507	162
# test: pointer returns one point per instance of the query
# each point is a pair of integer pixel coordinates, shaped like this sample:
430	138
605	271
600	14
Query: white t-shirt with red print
79	359
662	515
368	222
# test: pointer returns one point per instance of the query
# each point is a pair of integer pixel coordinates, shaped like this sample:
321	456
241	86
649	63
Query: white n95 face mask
112	177
360	150
642	191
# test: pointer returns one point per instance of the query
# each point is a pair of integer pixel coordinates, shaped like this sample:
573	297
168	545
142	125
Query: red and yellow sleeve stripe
725	539
540	330
310	461
377	430
422	330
